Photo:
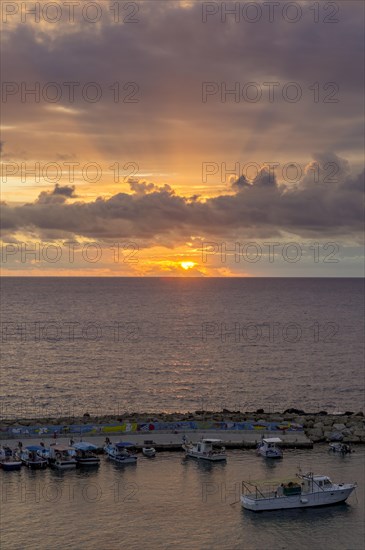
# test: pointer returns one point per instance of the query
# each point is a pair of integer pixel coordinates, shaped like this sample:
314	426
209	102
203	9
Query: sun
187	265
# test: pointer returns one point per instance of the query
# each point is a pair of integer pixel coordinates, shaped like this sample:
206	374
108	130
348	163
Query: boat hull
209	458
271	454
35	465
123	460
87	462
149	454
305	500
11	466
63	465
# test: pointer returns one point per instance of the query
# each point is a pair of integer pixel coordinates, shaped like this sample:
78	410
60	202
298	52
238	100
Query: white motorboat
148	450
85	454
32	457
342	448
305	491
61	457
268	447
206	449
119	453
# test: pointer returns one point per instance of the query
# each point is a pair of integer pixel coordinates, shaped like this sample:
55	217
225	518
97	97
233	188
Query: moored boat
32	457
61	457
268	448
305	491
342	448
148	450
206	449
119	453
9	459
85	454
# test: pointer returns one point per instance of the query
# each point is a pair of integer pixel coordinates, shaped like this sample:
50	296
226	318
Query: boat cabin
271	442
206	445
311	483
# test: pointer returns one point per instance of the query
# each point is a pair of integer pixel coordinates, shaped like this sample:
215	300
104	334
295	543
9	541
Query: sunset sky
184	139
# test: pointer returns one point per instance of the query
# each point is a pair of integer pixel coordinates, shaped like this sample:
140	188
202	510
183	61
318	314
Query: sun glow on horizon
187	265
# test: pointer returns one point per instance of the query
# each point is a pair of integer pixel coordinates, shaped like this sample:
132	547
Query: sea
116	345
119	345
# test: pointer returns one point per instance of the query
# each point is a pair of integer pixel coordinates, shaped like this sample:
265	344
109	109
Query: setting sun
187	265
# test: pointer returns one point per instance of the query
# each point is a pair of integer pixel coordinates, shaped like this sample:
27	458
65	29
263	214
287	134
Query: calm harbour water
101	345
173	503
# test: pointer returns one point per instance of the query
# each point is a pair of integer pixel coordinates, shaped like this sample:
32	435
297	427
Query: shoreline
308	428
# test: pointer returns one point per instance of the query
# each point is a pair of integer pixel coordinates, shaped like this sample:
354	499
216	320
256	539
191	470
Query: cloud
58	195
158	216
169	53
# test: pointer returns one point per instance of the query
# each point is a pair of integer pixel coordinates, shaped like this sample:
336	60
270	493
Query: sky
178	138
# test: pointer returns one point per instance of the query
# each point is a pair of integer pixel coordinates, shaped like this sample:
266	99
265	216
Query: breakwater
315	427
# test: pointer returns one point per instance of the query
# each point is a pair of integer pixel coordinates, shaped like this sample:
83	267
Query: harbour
195	503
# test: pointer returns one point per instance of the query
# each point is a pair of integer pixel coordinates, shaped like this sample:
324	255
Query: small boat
32	457
206	449
342	448
119	453
305	491
9	459
148	450
268	448
61	457
85	454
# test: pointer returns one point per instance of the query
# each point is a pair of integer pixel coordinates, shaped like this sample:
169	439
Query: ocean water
111	345
175	503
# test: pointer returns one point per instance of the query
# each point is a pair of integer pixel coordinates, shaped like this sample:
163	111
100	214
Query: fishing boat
148	450
206	449
9	459
85	454
119	453
342	448
305	491
61	457
32	457
268	448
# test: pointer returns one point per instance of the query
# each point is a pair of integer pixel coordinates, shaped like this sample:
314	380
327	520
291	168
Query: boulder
339	427
294	411
318	425
335	436
315	434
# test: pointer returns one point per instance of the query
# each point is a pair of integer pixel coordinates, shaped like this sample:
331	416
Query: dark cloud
65	190
157	215
169	53
58	195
